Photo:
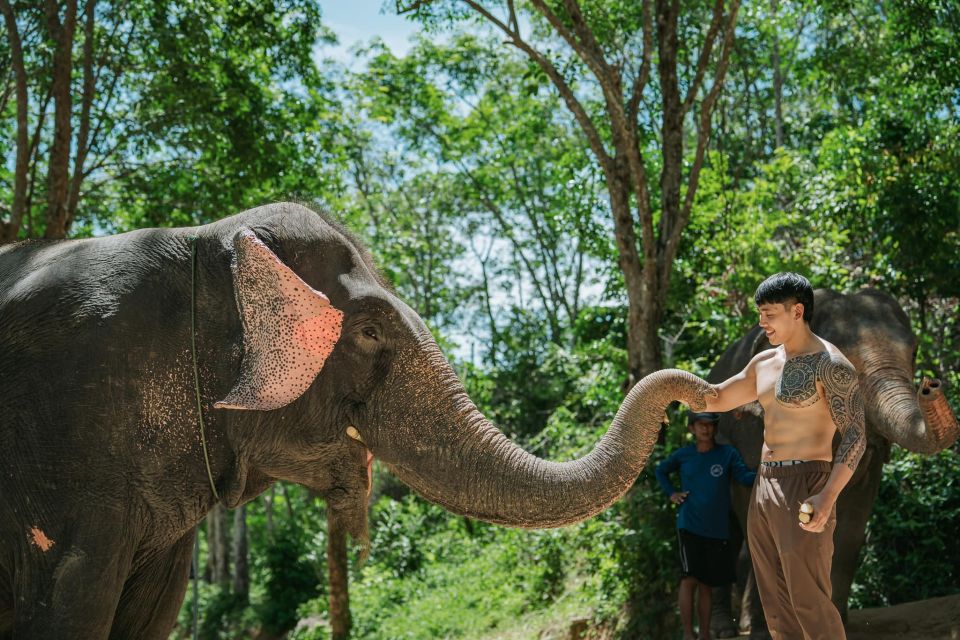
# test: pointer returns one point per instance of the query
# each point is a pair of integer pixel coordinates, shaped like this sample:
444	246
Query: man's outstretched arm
737	390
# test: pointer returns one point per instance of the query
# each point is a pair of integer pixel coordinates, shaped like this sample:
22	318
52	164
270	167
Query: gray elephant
874	333
146	376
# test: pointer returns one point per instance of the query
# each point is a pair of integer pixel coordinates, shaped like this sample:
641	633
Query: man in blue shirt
703	518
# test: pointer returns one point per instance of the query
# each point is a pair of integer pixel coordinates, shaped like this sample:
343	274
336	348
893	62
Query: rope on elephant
196	371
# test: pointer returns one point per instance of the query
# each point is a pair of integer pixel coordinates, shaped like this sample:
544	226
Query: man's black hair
787	288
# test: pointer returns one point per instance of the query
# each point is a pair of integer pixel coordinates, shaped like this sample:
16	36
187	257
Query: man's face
779	321
704	430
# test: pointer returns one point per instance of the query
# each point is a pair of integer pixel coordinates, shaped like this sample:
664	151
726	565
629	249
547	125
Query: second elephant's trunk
920	421
937	414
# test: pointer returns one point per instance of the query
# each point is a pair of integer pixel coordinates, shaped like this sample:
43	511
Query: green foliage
293	576
254	128
911	551
223	614
396	527
464	173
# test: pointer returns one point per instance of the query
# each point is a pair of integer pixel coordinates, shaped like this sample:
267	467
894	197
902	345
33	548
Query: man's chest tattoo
797	386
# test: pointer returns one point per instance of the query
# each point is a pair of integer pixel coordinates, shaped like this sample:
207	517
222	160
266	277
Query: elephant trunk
937	413
455	457
921	421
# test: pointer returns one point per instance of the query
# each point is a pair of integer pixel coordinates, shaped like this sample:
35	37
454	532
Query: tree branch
581	39
566	93
86	102
10	230
703	136
643	75
705	54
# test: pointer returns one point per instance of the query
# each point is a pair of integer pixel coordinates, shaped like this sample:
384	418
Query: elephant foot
723	626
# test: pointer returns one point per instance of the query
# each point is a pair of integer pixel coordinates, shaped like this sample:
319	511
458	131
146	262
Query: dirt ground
934	619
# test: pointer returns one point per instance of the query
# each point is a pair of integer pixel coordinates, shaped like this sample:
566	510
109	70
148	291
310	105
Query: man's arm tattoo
845	400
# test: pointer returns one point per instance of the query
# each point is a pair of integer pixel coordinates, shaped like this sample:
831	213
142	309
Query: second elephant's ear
289	329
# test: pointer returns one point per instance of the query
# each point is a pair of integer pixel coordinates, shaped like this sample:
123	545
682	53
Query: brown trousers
792	566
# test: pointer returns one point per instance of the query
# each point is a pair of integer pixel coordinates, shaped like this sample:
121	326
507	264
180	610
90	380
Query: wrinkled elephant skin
305	366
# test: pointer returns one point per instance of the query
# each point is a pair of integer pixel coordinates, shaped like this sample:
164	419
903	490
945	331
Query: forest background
571	195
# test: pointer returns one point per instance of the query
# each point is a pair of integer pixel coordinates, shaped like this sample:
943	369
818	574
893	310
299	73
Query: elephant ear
289	329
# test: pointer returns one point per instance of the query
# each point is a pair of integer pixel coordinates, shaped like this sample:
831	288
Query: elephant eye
371	333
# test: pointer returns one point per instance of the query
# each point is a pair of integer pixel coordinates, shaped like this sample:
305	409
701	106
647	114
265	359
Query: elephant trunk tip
937	414
929	386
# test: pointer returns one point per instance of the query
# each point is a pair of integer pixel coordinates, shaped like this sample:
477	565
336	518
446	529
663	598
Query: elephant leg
6	605
153	594
68	585
853	511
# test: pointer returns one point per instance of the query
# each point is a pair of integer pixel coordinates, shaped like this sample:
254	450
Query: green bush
911	551
293	576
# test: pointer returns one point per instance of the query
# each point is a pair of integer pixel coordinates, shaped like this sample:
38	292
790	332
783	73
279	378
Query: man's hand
678	497
822	506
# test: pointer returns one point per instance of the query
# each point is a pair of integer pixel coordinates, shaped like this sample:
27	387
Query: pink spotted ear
289	329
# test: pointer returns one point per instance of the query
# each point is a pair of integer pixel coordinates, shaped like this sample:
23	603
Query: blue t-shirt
707	477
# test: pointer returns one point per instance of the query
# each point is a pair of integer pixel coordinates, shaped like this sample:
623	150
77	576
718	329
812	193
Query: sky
361	20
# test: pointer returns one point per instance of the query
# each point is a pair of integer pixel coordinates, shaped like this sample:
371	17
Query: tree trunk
337	569
643	355
777	78
268	509
218	547
10	229
59	168
34	161
86	103
241	565
286	501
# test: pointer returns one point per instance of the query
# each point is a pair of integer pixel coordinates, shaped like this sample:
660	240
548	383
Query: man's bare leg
704	602
685	600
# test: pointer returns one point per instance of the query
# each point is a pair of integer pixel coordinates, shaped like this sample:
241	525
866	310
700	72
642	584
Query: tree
522	190
338	576
61	33
604	37
134	113
9	229
241	563
218	546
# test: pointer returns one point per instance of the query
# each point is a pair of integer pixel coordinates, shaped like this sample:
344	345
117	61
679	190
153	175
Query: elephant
874	333
148	375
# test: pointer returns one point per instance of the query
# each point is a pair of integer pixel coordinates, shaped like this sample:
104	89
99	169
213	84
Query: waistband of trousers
810	466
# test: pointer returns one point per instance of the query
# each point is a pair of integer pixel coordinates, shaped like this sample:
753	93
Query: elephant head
330	351
871	329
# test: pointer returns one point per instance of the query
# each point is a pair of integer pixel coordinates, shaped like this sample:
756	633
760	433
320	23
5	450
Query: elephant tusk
369	473
353	433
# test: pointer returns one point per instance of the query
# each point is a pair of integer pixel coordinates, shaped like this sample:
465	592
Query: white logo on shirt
716	470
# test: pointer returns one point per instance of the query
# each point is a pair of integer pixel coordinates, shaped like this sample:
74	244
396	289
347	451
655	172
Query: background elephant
117	434
874	333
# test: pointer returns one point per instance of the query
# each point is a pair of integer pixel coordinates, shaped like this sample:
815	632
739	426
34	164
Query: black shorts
709	560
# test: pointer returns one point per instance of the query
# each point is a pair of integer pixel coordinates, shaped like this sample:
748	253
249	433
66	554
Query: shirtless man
808	391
